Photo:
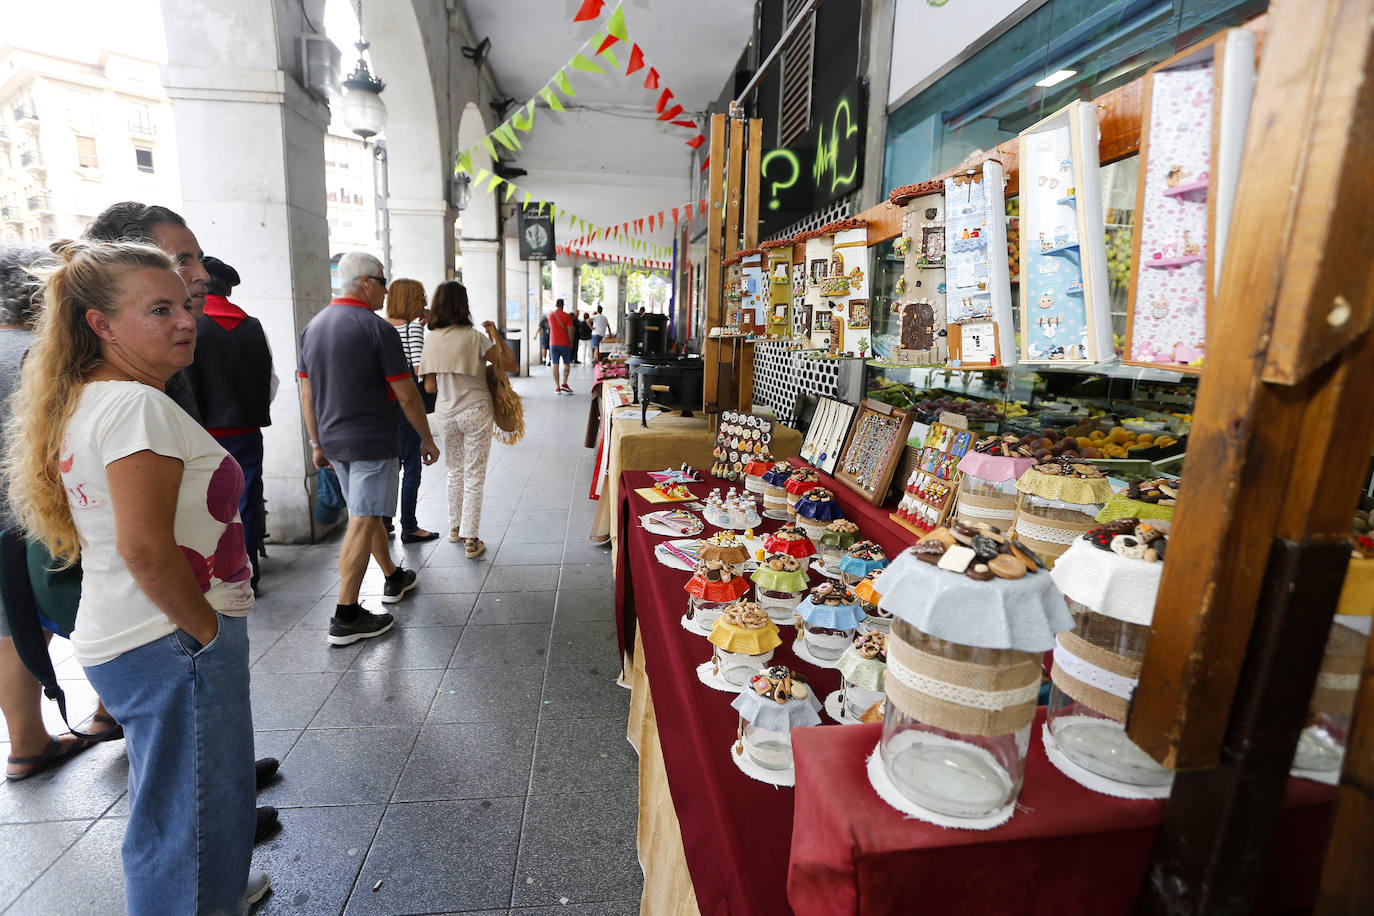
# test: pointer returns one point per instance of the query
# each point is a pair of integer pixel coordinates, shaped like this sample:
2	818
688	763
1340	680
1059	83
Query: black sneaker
397	584
366	626
267	823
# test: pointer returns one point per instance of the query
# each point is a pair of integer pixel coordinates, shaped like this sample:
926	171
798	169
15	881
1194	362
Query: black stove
671	382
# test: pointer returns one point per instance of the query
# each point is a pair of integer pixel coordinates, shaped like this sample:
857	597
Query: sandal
112	731
473	548
53	755
453	536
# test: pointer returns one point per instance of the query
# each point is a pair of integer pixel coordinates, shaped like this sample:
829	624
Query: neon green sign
833	150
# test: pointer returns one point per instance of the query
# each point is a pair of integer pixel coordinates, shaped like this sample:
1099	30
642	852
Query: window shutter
794	104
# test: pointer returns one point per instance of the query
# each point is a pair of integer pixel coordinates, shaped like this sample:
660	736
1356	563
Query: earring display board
733	296
978	288
740	438
874	450
817	259
825	436
931	488
1065	311
779	290
922	338
852	326
755	301
1197	105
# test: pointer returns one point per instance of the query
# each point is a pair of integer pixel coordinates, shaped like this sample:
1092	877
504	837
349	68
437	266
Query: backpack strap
21	610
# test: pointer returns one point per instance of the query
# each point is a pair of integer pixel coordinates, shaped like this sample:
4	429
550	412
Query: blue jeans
188	731
410	476
246	449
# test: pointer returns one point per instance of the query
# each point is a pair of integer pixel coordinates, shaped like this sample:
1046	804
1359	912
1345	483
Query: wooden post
1280	442
715	311
734	188
752	176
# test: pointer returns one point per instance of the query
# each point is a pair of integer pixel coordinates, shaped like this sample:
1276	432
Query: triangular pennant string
510	191
616	25
606	44
636	60
489	147
581	62
564	86
551	99
651	81
671	113
590	9
696	141
481	177
663	101
689	124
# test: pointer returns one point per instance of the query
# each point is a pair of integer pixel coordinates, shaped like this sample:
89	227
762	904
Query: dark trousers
246	448
410	476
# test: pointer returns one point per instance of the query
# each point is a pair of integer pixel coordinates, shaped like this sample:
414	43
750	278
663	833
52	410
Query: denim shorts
369	486
561	353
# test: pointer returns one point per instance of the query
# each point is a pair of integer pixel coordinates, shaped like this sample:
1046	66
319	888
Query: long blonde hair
88	275
405	299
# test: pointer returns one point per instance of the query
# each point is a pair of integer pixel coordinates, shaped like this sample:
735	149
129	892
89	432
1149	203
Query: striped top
412	340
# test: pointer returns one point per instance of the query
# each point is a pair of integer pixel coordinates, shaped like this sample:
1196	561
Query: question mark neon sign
791	159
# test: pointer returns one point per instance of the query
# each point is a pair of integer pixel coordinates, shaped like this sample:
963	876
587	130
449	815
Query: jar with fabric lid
714	586
754	471
744	639
1151	500
837	538
863	667
830	615
987	481
816	509
775	491
772	702
1059	501
1111	576
862	558
724	547
779	584
963	673
1322	742
798	482
876	620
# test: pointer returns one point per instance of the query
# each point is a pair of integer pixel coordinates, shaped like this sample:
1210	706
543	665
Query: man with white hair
353	372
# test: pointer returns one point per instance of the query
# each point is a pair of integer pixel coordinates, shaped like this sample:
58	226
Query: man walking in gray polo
353	374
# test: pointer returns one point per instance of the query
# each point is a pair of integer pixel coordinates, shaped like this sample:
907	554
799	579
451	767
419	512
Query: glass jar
769	749
827	644
1095	738
985	501
876	622
704	613
953	770
1321	745
1049	526
857	700
830	555
736	667
778	605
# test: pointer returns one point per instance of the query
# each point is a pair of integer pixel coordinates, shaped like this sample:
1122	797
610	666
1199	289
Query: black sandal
113	731
53	755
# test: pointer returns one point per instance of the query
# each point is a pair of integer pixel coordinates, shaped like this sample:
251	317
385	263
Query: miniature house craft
977	286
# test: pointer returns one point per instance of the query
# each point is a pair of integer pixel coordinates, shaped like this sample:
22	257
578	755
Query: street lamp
364	113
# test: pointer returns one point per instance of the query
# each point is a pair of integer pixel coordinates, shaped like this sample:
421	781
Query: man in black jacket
233	383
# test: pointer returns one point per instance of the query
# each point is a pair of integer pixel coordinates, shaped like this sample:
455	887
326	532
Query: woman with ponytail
103	466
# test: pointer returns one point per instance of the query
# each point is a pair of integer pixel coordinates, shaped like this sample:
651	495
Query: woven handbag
507	410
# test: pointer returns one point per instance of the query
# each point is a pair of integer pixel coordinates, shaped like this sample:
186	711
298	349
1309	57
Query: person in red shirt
562	339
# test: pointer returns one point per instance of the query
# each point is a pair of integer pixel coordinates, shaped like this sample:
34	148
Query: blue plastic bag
329	498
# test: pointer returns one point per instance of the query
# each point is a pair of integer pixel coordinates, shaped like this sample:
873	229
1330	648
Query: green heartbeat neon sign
825	163
828	151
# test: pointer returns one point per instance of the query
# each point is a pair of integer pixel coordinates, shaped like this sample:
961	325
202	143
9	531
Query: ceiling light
1055	78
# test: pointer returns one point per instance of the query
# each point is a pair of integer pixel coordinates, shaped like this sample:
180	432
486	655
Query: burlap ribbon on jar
1094	676
965	697
1339	677
992	510
1049	537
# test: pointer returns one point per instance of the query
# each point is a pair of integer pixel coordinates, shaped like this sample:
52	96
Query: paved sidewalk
472	761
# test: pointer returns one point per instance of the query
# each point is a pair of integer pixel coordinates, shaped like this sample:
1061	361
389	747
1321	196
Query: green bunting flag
564	86
489	146
616	25
551	99
580	62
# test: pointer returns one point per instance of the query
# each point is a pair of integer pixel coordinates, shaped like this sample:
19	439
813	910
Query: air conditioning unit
320	66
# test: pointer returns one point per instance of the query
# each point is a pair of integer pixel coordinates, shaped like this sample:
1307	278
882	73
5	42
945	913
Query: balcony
25	114
41	202
31	159
5	134
10	215
143	128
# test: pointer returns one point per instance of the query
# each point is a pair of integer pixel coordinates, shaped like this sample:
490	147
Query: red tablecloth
735	831
1066	851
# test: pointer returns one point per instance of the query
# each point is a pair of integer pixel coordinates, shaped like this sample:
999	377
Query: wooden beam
733	189
753	174
715	305
1263	460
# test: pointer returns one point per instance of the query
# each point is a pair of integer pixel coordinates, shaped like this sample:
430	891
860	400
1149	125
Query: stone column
421	240
610	301
513	309
565	285
262	212
480	245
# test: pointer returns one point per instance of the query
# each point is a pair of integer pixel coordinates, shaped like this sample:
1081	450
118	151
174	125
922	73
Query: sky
81	28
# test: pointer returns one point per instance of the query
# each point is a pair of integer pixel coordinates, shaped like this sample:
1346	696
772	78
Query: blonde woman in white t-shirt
102	465
454	365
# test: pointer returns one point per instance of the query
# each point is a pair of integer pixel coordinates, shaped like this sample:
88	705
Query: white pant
466	445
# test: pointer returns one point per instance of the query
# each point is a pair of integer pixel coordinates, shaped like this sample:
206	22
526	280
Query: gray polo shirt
351	355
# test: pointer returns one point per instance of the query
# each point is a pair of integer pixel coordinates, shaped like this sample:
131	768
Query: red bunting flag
703	203
671	113
639	225
691	124
660	219
675	209
610	40
663	101
651	81
704	166
590	10
636	60
697	141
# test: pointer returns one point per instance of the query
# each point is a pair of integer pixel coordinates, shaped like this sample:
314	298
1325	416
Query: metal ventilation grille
794	103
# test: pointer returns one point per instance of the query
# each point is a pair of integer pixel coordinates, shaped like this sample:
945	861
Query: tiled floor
472	761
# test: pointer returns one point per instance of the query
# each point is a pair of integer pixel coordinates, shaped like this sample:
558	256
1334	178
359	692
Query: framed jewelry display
1197	105
874	450
977	296
931	488
826	434
740	438
1065	312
